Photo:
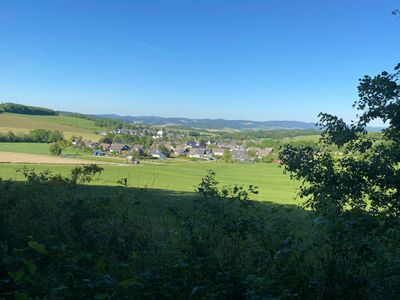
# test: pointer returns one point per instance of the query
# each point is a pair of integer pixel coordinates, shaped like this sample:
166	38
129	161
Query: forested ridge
26	110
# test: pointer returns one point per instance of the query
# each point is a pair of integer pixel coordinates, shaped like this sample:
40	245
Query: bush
61	240
55	149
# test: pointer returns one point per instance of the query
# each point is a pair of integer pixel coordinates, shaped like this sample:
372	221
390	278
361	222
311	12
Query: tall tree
355	194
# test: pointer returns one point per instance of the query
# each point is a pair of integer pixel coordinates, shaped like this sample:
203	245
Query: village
161	145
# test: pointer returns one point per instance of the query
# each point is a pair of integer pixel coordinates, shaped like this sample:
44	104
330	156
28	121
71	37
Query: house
118	148
90	144
156	153
76	142
200	153
181	150
138	148
160	133
240	155
192	144
98	153
231	146
105	147
169	146
218	151
263	152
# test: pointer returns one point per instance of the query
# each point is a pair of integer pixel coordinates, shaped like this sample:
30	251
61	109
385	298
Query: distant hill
26	110
93	122
212	123
23	123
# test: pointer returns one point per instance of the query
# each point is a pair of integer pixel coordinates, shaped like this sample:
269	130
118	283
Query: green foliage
164	150
27	110
85	174
34	136
108	123
271	134
227	156
356	196
178	176
55	148
63	242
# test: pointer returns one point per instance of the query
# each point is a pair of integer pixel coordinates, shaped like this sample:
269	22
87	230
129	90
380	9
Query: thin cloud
153	48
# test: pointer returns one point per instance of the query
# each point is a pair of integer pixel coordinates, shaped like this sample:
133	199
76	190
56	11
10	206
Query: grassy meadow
35	148
273	185
70	126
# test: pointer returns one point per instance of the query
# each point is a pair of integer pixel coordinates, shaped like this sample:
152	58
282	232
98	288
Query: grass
43	149
36	148
68	125
30	148
304	138
273	185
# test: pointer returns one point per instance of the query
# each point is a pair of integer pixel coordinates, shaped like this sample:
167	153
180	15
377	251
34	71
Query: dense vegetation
60	238
26	110
102	122
34	136
357	197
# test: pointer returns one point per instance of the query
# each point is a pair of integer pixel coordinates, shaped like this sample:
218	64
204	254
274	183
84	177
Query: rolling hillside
211	123
20	123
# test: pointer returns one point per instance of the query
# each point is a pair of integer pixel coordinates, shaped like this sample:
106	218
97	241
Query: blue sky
258	60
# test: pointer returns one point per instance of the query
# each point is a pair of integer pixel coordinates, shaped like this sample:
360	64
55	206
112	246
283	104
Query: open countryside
175	174
68	125
196	150
273	186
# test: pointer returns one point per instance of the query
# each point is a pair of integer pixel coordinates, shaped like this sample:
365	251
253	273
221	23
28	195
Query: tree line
34	136
26	110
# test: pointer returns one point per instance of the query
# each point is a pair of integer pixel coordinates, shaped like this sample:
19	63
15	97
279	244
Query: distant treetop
26	110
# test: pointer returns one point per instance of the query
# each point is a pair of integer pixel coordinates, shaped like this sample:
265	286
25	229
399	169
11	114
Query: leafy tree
356	196
39	135
136	154
11	136
227	156
252	153
55	136
85	174
55	148
366	176
108	139
164	150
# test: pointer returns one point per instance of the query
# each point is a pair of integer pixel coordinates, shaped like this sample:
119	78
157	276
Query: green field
305	138
273	185
35	148
68	125
43	149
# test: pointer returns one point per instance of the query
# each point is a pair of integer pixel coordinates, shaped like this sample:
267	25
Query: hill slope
212	123
20	123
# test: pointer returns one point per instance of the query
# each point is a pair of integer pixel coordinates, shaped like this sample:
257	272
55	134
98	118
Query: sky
254	60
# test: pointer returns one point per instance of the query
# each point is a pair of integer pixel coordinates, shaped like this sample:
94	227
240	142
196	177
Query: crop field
43	150
68	125
33	148
13	157
273	185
